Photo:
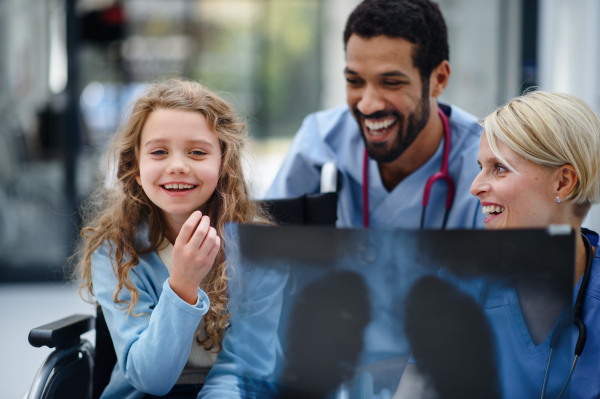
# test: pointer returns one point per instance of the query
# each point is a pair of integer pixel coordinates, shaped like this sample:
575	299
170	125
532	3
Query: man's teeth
379	125
492	209
178	186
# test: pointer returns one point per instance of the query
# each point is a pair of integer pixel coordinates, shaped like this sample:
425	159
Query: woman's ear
567	179
138	179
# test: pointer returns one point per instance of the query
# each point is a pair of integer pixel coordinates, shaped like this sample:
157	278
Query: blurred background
69	68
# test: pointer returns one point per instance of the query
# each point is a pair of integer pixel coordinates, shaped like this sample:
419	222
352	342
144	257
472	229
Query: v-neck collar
520	328
381	196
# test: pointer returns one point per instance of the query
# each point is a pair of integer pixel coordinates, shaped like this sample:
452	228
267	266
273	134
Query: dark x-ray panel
339	313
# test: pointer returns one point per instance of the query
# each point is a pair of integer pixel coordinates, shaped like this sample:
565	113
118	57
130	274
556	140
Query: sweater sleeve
153	345
251	345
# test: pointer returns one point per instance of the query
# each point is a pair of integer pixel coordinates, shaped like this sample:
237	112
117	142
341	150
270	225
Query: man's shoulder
335	113
464	121
327	134
466	132
330	122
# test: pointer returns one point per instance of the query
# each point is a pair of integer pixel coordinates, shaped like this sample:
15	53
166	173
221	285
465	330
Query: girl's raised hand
194	253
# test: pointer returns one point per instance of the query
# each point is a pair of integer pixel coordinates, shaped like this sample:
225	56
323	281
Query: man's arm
300	172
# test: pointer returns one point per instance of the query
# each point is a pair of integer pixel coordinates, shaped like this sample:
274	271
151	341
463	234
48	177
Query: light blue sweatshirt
152	349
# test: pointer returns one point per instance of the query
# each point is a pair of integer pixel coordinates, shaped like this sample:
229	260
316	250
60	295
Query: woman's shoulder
594	284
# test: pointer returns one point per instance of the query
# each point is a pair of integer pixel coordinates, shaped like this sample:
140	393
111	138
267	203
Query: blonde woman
540	165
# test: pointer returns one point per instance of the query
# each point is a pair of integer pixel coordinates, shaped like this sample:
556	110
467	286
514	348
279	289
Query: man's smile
379	126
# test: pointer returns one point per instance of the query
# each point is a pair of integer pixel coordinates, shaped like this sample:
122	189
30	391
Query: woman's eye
500	168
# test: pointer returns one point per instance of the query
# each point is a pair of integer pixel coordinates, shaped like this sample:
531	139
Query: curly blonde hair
115	217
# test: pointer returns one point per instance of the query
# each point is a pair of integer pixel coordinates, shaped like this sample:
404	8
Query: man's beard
417	120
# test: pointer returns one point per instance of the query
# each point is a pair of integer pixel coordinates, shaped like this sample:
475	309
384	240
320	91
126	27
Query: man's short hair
417	21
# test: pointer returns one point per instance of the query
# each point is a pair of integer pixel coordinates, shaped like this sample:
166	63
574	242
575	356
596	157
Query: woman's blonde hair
552	130
116	217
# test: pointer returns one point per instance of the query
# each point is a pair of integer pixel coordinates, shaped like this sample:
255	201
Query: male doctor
397	66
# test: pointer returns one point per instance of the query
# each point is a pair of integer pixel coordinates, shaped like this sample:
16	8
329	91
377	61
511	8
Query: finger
208	243
188	228
212	254
200	233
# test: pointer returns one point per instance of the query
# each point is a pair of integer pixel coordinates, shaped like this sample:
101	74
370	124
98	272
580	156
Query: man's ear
566	180
438	80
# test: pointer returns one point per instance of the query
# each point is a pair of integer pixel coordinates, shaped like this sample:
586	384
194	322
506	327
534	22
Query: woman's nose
479	185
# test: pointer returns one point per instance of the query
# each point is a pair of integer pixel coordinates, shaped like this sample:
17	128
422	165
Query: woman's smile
492	211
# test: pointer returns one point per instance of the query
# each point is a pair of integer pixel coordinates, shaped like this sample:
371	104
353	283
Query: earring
557	199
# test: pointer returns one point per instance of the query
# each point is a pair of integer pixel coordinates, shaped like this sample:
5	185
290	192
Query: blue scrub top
522	364
334	135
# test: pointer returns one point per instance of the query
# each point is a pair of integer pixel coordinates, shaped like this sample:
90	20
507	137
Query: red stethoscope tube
442	174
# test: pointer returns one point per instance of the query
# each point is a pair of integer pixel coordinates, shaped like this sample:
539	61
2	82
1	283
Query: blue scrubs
522	364
334	135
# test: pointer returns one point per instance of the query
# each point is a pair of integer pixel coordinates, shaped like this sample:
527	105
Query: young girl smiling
152	251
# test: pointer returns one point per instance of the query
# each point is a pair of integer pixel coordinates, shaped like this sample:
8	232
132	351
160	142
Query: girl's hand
194	253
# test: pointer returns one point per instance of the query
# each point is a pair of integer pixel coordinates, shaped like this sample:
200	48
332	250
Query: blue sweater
152	349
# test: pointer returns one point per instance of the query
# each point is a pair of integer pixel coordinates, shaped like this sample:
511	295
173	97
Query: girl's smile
179	189
175	188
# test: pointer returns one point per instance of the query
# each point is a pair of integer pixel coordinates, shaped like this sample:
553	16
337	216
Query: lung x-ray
339	313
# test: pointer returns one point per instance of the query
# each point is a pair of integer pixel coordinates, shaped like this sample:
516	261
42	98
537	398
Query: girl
152	251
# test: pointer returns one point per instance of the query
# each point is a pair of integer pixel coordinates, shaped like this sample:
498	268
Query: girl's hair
124	207
551	129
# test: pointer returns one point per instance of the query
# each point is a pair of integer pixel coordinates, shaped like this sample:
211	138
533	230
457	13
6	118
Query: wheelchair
78	370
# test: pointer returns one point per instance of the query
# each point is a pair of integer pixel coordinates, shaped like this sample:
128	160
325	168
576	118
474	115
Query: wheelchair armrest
63	333
321	209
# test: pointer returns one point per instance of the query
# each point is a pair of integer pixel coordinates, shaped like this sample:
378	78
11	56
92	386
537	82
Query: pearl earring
557	199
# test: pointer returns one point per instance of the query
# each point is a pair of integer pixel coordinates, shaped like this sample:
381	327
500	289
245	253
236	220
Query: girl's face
511	200
180	160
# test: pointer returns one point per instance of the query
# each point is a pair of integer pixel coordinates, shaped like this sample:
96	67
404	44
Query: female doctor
540	165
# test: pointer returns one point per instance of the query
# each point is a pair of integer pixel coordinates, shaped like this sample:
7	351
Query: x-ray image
319	312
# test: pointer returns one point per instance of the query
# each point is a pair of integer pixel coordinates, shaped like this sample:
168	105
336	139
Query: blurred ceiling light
147	48
57	76
92	94
241	13
145	10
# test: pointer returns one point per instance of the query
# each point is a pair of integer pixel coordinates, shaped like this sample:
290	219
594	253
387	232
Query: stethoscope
442	174
577	319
